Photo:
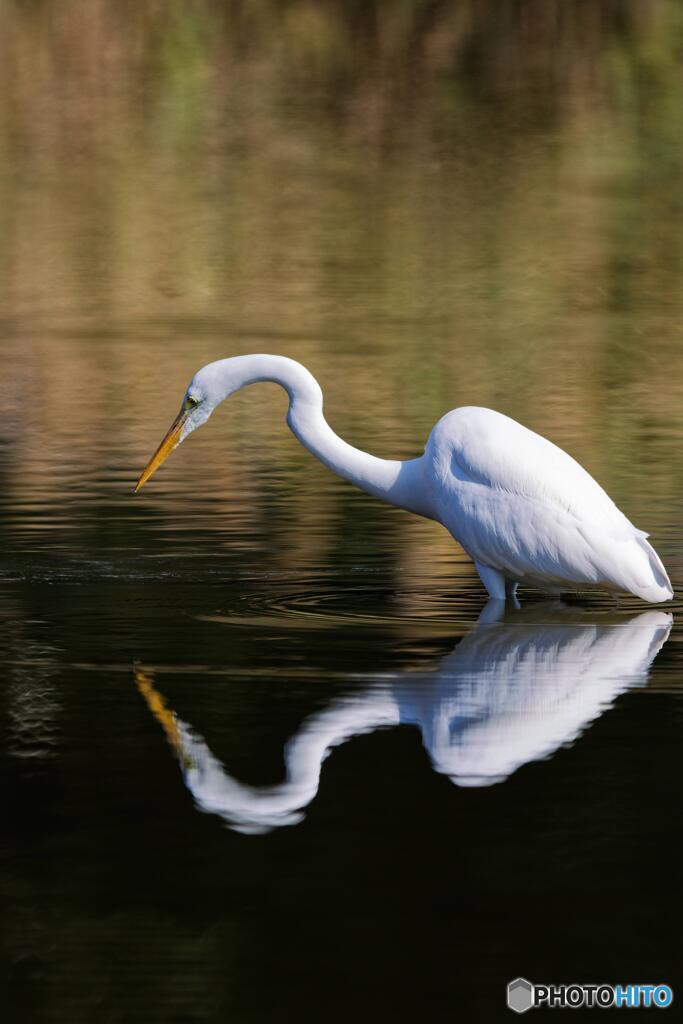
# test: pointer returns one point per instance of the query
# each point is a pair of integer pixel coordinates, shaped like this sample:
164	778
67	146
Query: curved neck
255	808
396	482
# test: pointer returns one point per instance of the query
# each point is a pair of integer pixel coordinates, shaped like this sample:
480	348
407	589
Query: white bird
524	510
511	692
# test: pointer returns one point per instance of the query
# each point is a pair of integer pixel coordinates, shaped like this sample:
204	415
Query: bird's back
485	447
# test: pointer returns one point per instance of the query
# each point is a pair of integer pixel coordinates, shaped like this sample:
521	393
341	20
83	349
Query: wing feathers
520	504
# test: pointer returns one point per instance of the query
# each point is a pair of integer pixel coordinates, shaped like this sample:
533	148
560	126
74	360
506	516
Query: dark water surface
261	758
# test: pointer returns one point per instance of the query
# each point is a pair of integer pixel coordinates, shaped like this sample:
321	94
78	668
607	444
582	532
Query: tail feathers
658	587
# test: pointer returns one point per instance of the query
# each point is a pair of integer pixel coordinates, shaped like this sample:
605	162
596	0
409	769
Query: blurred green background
429	204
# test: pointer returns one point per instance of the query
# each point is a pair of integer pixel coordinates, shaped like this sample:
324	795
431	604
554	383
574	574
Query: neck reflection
511	692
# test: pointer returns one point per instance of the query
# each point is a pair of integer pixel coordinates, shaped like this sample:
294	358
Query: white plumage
522	508
525	510
510	693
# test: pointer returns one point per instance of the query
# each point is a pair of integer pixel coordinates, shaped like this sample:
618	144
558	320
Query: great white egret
511	692
522	508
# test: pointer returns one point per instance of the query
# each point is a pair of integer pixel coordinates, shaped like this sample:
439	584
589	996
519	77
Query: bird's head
199	401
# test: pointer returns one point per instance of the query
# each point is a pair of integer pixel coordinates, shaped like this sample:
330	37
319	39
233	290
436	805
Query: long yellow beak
171	441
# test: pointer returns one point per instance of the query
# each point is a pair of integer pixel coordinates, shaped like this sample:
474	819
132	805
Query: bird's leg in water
492	612
493	580
511	592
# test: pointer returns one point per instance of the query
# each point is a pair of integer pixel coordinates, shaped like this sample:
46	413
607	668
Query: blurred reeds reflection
428	204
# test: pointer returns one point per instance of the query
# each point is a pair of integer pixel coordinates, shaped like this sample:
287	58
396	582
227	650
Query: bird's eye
191	402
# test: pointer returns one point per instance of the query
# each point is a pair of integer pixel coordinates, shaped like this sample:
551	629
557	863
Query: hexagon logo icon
520	995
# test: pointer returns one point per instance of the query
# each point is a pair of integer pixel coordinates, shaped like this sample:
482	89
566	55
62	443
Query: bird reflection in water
512	691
